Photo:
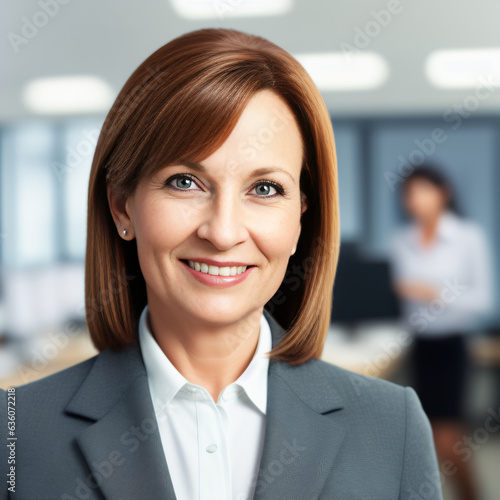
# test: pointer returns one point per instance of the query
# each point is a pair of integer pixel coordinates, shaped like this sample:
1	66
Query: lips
218	276
223	269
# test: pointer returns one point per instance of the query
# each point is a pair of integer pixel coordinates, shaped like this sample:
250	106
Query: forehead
422	182
266	133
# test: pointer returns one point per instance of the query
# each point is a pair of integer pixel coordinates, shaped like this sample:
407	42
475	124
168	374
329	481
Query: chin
222	313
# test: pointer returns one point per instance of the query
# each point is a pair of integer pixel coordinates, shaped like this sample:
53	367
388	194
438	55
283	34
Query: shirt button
212	448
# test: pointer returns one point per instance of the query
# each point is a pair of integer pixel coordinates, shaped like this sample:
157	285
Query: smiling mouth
216	270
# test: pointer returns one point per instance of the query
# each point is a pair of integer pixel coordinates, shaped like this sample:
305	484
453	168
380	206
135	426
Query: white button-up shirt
213	450
457	262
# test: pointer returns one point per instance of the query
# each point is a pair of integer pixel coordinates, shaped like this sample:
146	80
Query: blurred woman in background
442	273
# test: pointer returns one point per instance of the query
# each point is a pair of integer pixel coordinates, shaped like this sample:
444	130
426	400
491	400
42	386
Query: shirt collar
254	378
165	381
447	226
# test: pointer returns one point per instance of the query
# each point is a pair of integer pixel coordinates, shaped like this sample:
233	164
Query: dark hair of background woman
438	178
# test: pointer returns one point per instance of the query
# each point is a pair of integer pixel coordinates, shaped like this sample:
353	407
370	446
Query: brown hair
181	104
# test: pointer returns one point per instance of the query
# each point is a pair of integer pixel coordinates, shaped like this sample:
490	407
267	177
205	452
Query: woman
442	272
212	245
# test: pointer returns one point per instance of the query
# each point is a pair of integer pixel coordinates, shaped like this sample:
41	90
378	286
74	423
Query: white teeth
215	270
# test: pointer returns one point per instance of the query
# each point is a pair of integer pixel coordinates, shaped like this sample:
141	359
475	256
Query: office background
405	82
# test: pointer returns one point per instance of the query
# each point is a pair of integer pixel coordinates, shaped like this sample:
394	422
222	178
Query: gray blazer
90	432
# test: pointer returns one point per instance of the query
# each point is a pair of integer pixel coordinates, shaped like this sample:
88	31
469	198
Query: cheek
276	235
436	199
161	225
417	200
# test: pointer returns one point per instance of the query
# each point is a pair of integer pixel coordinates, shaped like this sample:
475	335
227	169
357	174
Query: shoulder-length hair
181	104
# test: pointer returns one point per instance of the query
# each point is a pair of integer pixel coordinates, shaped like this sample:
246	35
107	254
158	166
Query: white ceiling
109	38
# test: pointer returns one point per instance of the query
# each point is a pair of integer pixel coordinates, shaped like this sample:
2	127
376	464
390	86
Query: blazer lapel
123	447
301	441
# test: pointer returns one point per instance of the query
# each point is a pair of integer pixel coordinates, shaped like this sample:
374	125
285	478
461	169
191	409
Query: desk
376	348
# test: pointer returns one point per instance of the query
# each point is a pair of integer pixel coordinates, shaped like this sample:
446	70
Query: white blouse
213	450
457	262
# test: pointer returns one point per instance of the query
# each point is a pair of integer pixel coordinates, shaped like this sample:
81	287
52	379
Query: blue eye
264	190
183	182
268	187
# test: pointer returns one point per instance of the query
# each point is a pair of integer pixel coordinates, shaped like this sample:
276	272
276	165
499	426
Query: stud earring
125	232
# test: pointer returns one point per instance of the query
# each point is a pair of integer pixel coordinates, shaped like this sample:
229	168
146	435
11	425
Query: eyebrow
257	172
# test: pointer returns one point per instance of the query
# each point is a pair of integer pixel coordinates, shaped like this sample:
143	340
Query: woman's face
423	200
239	207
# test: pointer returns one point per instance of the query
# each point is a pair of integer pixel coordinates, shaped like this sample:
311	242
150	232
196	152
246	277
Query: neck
428	226
210	355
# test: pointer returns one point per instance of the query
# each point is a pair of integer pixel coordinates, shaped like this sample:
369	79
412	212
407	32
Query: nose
224	222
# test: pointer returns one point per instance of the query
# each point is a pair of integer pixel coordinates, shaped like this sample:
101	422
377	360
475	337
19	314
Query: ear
303	203
120	211
303	208
297	240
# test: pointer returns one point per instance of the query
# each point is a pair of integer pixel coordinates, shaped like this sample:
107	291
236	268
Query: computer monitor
362	290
